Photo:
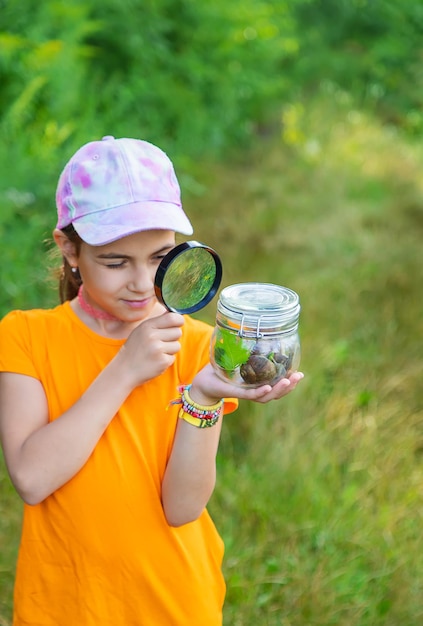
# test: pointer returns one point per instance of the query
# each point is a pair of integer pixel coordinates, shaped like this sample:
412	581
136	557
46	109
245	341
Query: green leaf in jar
229	351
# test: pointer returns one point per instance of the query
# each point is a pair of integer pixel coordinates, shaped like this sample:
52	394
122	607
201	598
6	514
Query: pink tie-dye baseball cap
116	187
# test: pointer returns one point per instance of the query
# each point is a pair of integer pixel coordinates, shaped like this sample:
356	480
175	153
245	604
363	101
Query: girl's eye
115	266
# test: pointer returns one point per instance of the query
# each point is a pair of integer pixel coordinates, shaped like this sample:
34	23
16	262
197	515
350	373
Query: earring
75	274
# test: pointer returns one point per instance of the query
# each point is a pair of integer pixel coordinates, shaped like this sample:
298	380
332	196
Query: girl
114	477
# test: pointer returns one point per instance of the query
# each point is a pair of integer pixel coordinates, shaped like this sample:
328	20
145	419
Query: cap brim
103	227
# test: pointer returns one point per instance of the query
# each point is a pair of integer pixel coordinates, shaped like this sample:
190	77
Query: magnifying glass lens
188	277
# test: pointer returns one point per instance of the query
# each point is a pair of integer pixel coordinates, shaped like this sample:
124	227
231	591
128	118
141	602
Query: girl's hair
69	282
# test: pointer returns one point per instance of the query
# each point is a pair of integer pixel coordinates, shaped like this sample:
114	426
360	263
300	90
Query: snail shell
258	369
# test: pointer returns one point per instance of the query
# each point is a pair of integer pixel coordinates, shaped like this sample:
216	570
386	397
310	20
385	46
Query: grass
319	497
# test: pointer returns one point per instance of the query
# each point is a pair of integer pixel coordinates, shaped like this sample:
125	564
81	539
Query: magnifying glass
188	277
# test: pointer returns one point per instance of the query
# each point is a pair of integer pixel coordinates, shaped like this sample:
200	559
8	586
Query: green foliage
84	68
230	351
196	77
370	48
200	79
186	75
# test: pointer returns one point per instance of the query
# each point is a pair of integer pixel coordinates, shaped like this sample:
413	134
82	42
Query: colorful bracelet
197	421
197	414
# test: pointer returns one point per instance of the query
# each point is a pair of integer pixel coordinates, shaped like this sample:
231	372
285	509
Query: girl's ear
67	247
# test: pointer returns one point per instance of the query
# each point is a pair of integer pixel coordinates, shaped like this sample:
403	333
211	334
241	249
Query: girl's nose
142	279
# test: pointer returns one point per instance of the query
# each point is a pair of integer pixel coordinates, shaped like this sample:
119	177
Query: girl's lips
138	304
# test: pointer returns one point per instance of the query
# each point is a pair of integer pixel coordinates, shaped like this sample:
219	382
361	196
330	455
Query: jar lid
259	298
268	303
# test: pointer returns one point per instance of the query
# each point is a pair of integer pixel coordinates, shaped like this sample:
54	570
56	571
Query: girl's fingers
281	389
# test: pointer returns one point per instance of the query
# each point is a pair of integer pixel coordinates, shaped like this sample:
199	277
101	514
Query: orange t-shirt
98	551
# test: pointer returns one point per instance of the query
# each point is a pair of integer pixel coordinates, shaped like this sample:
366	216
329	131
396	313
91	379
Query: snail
283	362
262	368
258	369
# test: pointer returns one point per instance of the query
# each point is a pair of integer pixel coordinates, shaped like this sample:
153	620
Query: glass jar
255	341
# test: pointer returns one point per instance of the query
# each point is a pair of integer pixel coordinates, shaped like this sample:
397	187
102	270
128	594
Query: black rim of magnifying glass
167	261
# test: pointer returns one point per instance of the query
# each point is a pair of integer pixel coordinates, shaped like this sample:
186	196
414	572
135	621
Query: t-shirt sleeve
15	345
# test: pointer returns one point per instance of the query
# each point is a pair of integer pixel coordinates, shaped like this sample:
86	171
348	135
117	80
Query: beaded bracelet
197	414
196	421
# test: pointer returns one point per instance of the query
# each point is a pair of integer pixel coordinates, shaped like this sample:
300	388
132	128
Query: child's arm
191	471
41	456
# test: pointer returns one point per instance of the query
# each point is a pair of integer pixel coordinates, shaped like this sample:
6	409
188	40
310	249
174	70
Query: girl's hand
151	347
207	388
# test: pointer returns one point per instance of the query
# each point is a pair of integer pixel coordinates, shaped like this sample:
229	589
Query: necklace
97	314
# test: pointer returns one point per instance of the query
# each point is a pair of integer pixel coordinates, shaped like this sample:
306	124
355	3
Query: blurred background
296	132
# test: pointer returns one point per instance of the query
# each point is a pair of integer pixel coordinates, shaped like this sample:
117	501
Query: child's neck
92	311
103	323
99	321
